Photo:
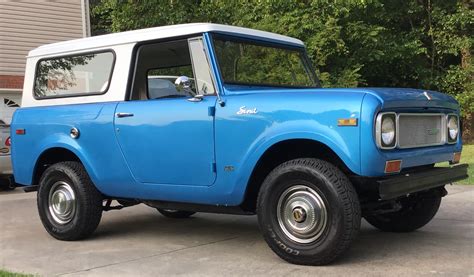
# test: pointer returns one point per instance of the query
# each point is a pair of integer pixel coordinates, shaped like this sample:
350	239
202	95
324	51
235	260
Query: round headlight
388	130
453	128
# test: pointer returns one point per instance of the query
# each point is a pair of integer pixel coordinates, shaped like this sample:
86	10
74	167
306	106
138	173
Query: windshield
249	63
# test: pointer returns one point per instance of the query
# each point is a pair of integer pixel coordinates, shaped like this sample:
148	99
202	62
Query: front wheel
416	211
308	211
69	205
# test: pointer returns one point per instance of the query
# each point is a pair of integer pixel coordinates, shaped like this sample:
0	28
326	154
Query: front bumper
403	184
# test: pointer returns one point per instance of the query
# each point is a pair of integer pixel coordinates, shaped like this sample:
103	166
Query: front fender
347	151
242	139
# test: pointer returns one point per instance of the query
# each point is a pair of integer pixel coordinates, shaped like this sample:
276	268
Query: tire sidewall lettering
280	244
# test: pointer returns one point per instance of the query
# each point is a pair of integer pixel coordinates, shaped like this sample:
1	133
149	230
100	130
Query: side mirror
183	83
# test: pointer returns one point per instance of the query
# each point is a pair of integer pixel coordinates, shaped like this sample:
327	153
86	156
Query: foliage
416	43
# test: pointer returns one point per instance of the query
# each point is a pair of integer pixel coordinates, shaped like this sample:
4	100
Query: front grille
417	130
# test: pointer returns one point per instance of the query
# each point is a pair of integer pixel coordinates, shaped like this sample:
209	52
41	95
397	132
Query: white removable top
151	34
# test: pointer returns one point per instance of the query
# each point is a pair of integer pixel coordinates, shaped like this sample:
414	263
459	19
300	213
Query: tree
416	43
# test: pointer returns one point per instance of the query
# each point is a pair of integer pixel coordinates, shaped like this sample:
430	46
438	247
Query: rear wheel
69	205
8	183
416	211
308	211
175	213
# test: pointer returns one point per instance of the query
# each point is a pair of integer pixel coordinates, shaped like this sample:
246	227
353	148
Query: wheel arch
52	155
282	151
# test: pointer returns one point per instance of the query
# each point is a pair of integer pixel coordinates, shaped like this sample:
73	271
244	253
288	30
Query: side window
73	75
159	65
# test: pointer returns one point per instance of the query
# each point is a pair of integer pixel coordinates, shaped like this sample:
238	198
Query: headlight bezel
378	130
449	140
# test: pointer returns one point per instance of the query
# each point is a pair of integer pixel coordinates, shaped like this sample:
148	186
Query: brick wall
11	81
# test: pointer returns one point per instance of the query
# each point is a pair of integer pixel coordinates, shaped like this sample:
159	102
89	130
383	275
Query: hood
413	98
389	97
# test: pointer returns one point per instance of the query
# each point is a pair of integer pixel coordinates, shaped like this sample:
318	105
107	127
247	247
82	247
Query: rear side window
79	75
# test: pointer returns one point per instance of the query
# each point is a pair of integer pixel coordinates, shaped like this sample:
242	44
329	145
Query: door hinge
212	111
214	167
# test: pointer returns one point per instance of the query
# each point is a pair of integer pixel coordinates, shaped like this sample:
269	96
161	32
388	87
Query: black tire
335	192
10	187
175	213
12	183
415	213
8	183
86	210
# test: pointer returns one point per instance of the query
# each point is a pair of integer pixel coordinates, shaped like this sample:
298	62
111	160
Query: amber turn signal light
456	158
393	166
347	122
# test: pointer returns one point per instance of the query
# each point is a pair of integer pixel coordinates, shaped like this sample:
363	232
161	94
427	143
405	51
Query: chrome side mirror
183	83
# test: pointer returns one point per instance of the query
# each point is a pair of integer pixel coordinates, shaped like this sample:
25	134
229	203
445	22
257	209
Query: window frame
255	41
109	81
209	64
134	63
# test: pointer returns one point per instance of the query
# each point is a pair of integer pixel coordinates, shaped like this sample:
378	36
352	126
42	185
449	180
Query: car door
166	132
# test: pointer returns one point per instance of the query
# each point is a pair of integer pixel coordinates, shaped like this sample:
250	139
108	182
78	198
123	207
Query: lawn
467	156
4	273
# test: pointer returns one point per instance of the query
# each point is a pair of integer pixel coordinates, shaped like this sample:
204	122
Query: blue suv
214	118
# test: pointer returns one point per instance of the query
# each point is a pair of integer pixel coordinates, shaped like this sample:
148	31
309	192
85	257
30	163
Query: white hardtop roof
154	33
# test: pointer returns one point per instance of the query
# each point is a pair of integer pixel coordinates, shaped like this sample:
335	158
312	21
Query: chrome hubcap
302	214
299	214
62	202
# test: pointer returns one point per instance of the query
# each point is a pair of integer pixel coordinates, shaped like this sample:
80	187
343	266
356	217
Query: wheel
175	213
416	212
8	183
69	205
11	184
308	211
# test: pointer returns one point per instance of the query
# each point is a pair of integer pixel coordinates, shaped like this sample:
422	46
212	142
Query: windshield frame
265	43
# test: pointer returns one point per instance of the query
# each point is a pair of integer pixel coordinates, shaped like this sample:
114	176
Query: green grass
467	157
4	273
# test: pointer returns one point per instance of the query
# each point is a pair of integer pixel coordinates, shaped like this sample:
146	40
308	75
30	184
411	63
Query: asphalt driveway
139	241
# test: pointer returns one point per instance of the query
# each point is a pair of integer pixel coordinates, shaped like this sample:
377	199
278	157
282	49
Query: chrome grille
417	130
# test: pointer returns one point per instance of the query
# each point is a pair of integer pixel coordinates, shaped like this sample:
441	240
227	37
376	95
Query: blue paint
175	150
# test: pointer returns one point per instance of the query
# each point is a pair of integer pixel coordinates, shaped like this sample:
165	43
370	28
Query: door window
159	65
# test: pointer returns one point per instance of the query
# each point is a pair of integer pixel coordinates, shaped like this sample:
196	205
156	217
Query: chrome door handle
120	115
